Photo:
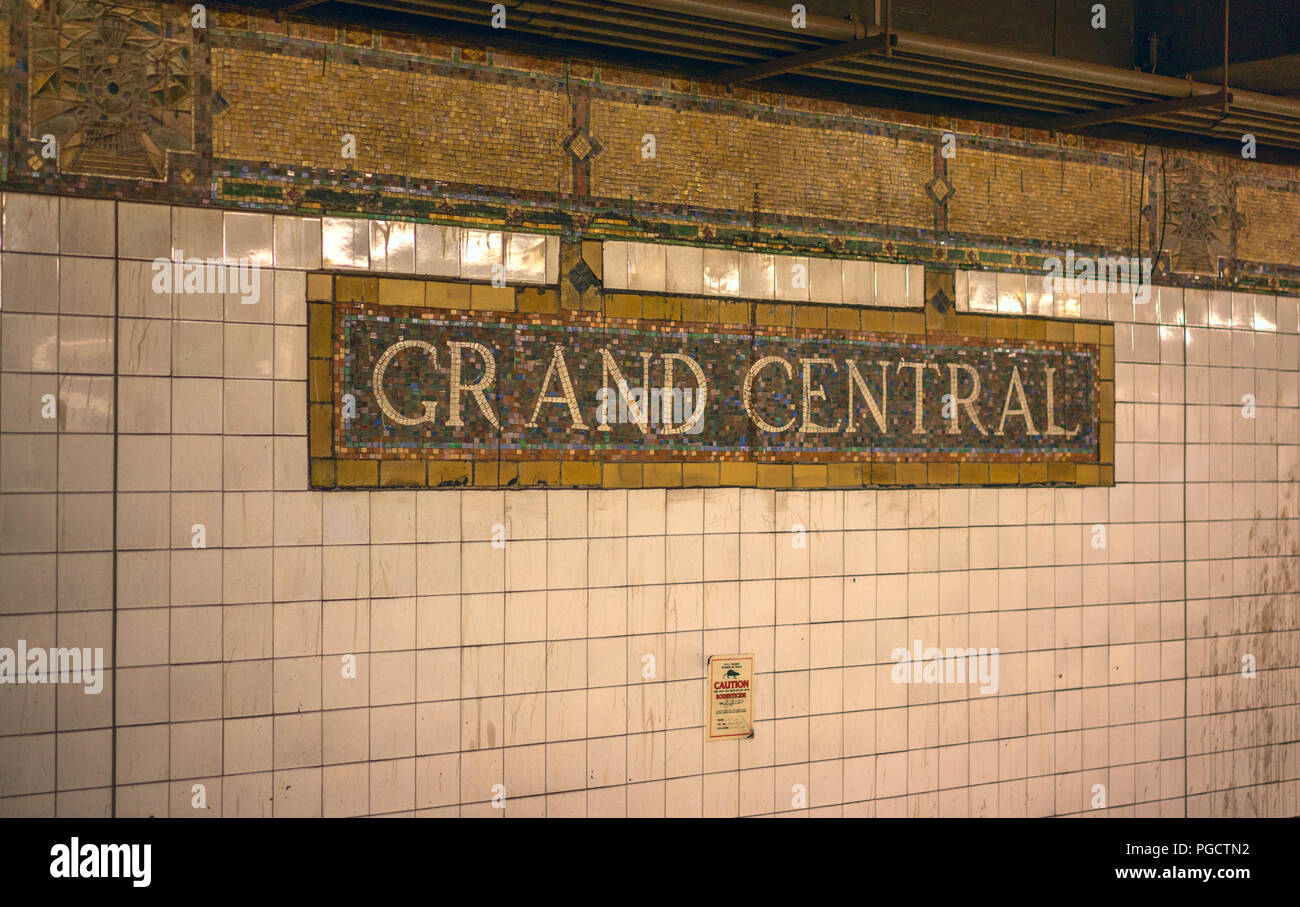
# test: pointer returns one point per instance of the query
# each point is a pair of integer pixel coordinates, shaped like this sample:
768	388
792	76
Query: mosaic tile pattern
869	183
1202	220
1270	221
8	84
394	363
530	409
112	83
853	172
491	132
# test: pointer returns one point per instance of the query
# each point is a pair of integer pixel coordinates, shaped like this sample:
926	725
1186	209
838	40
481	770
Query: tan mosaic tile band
543	144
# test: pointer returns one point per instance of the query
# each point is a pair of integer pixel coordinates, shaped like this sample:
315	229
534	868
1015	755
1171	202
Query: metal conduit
747	38
943	50
647	42
941	78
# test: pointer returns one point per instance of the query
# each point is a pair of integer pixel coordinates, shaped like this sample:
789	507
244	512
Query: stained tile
31	223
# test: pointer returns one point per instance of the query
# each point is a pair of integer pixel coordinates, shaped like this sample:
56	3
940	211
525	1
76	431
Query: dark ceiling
1263	42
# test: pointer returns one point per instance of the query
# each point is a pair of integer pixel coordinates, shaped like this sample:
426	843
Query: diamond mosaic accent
582	277
582	145
940	301
940	189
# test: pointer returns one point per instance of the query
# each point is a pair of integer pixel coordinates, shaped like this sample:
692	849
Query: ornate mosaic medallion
111	83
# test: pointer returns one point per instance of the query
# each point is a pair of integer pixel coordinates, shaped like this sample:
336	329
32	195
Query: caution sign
731	697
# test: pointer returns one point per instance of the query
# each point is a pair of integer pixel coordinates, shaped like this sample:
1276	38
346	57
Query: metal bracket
1136	111
879	41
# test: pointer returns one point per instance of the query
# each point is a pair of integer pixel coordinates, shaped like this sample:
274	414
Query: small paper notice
731	697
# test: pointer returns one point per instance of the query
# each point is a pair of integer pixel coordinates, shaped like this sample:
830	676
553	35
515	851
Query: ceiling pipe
546	23
1136	111
994	58
777	19
576	10
793	62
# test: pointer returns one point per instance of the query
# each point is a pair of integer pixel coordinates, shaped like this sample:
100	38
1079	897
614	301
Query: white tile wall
427	249
691	270
528	666
1007	293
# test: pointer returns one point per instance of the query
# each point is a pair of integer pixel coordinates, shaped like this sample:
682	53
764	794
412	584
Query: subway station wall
564	668
278	649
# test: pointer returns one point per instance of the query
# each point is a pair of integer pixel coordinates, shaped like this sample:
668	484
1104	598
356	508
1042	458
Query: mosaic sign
411	383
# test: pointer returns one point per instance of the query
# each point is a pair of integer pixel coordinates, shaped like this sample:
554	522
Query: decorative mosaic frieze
530	144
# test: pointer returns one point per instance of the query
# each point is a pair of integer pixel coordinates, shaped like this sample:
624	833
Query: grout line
117	321
546	660
1185	335
58	514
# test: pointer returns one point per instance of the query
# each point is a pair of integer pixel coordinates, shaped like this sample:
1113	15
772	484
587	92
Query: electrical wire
1164	209
1142	188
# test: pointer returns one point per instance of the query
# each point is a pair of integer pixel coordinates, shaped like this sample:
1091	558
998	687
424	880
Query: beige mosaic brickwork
491	123
498	118
291	110
6	67
1040	199
720	161
1271	225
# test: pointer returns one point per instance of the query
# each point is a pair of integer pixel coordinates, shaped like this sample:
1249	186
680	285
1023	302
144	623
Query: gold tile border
328	472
